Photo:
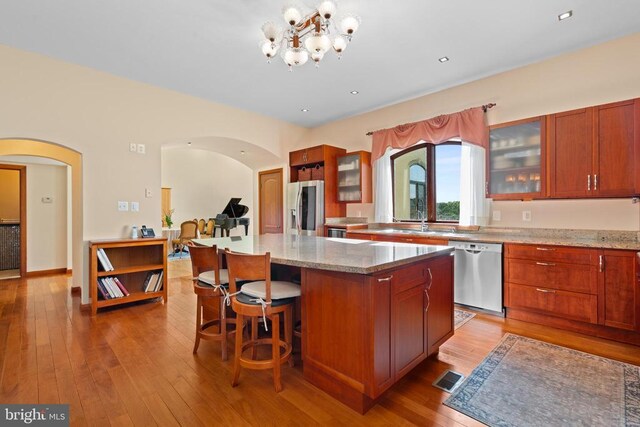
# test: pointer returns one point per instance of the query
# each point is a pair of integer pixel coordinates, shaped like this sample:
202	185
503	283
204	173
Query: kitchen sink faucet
423	225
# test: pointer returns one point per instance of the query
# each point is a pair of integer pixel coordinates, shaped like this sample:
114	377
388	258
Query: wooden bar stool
210	282
261	298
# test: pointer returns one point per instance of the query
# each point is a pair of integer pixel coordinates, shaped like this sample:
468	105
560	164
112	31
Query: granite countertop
326	253
347	222
583	238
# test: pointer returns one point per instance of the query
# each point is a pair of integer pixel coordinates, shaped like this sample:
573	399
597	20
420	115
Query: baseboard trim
76	290
85	307
52	272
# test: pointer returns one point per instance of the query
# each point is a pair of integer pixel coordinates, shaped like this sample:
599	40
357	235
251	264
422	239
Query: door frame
270	171
22	170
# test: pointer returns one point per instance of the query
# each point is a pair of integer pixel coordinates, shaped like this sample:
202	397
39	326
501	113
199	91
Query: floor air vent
448	381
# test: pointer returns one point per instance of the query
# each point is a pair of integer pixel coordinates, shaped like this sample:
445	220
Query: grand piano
232	216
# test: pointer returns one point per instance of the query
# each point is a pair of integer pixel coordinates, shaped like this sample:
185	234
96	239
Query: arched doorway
31	147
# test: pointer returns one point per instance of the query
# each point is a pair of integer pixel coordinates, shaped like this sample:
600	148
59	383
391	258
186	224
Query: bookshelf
133	260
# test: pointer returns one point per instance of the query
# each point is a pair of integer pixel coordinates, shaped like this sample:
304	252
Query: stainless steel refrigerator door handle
298	209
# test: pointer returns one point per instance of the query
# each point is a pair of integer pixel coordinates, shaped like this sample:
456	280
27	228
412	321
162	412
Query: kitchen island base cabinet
362	333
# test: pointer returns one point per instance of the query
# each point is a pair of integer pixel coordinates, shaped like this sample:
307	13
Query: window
426	181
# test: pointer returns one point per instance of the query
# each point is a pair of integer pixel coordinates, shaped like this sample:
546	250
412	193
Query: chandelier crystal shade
310	36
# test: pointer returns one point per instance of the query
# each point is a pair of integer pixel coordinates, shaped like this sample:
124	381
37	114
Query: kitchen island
371	311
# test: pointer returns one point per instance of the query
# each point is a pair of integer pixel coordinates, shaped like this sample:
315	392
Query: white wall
202	182
46	222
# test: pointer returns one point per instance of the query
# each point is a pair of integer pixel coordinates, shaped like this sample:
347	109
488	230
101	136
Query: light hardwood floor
134	365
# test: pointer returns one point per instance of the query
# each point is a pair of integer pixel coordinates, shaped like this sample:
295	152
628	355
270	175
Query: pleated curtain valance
468	125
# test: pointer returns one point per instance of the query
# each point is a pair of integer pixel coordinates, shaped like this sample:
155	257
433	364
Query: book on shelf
158	285
104	260
112	287
121	286
148	282
103	291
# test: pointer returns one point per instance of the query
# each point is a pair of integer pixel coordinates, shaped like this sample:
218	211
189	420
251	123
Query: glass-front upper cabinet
354	177
515	160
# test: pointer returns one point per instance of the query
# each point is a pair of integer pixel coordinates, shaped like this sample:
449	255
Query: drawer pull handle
588	182
546	291
547	264
430	278
601	264
546	249
386	279
428	300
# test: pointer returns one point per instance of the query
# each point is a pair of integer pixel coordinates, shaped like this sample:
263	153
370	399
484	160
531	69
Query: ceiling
209	48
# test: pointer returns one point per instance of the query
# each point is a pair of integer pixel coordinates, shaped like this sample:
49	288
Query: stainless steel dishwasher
478	275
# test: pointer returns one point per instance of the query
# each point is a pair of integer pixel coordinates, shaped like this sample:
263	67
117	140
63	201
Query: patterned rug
460	317
525	382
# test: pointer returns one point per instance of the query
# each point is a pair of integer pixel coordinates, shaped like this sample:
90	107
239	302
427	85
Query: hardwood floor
134	365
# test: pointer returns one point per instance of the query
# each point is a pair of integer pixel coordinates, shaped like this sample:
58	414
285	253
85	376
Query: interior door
271	204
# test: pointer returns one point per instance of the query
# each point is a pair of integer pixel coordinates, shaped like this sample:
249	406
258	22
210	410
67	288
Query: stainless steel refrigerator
305	207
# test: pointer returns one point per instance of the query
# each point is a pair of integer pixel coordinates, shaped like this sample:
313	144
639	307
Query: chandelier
308	36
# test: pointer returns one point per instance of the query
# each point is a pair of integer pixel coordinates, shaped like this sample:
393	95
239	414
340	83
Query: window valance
468	125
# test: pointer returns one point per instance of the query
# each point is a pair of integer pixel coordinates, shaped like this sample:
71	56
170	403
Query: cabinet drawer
406	277
569	277
569	305
551	253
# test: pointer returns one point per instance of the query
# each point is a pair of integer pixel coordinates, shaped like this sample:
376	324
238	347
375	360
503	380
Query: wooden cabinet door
409	327
439	302
619	296
616	149
570	140
297	158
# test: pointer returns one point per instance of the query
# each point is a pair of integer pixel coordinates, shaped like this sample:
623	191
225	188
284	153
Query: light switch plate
133	147
123	206
497	215
135	207
142	149
526	216
148	193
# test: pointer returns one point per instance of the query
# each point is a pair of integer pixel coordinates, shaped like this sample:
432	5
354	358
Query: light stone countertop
626	240
327	253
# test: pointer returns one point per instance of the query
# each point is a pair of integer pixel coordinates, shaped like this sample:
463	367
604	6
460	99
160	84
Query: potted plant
167	218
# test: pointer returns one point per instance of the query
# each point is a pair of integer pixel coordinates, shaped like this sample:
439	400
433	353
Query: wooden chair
261	298
208	231
210	283
188	231
201	225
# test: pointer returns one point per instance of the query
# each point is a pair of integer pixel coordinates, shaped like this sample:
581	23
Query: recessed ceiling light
189	143
565	15
443	59
354	92
242	152
304	110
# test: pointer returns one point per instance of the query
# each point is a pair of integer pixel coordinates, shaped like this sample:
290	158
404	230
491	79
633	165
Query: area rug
460	317
176	256
525	382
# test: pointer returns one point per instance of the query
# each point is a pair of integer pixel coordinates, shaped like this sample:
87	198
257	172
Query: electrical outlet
123	206
141	149
497	215
147	193
526	216
135	207
133	147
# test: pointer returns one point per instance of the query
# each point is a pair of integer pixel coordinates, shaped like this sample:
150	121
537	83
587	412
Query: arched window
426	182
